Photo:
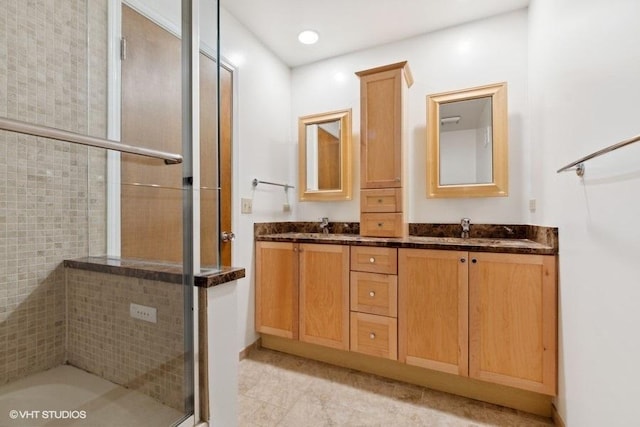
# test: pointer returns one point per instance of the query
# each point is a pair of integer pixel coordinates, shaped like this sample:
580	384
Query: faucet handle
324	225
465	223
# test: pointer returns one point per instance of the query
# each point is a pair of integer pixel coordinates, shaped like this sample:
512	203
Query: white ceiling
350	25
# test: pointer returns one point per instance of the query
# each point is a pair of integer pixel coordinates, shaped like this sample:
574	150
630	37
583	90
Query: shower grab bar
91	141
165	187
579	164
256	181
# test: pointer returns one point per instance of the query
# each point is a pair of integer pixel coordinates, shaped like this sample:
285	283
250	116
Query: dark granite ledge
260	228
547	236
148	270
522	239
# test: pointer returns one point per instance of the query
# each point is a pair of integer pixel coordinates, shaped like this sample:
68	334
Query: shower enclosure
100	240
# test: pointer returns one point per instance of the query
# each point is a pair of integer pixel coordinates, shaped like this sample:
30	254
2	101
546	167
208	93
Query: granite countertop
158	271
522	239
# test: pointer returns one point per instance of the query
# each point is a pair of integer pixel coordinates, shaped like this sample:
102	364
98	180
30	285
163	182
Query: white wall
262	149
486	51
584	90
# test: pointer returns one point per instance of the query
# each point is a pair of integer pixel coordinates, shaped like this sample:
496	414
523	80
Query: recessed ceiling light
308	37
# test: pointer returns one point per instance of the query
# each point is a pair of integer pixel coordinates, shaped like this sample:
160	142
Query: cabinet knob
463	260
380	224
372	294
372	335
473	260
372	260
379	200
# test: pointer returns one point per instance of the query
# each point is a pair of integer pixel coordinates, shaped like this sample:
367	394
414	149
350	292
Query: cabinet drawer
381	200
374	293
374	335
382	224
374	259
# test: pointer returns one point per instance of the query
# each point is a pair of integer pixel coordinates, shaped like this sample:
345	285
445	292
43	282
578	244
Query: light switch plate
246	206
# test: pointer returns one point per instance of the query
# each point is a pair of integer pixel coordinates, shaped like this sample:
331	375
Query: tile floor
278	389
65	388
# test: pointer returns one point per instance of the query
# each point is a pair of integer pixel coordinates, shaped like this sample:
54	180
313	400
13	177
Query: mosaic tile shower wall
103	338
46	77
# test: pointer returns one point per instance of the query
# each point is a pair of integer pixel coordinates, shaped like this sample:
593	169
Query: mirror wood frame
500	185
345	190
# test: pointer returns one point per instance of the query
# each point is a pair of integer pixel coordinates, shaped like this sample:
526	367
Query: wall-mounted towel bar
579	164
76	138
256	181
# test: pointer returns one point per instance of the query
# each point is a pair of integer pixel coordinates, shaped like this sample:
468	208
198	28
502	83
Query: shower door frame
191	154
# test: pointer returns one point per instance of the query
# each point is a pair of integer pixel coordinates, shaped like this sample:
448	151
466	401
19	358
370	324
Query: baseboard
509	397
555	416
244	353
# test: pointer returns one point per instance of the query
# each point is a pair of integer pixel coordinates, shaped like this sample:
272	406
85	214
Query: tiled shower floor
277	389
66	388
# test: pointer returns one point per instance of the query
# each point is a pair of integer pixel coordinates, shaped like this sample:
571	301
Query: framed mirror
324	146
467	142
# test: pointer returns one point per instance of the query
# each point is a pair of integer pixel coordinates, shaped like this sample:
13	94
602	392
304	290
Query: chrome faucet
465	223
324	225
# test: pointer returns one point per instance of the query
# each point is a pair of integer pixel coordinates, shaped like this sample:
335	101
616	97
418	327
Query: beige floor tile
277	389
309	411
267	415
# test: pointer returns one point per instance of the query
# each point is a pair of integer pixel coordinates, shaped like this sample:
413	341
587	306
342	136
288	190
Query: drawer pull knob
372	294
380	224
463	260
372	260
372	336
474	260
379	200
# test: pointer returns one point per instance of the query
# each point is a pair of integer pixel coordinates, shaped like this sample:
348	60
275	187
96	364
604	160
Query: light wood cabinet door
277	288
381	103
433	309
324	295
512	324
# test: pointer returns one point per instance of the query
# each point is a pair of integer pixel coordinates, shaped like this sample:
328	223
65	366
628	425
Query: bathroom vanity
479	308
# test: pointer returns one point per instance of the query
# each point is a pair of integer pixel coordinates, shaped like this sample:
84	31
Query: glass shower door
96	321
